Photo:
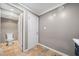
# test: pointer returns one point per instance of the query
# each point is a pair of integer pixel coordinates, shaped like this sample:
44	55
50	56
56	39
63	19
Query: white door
20	31
32	30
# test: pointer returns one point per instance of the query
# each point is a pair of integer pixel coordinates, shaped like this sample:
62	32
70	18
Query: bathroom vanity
76	41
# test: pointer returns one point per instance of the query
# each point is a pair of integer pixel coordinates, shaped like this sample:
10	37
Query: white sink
76	41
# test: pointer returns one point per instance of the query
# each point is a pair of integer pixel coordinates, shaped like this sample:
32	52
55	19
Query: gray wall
9	25
61	29
26	31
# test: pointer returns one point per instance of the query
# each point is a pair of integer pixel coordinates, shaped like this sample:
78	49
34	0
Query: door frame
23	43
20	31
24	12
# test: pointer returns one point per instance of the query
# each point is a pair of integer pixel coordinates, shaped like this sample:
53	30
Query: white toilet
10	38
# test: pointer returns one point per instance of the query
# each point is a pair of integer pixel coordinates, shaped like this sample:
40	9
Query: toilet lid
9	36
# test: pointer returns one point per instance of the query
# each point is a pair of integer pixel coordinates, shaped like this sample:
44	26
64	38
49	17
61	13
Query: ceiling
41	8
11	12
8	11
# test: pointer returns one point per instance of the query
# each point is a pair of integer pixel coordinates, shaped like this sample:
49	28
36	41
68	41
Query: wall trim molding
51	9
26	50
29	48
63	54
42	12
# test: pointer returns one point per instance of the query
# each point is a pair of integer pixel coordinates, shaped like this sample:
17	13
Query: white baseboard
29	48
26	50
63	54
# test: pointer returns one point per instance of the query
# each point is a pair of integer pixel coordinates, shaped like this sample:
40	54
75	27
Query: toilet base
9	43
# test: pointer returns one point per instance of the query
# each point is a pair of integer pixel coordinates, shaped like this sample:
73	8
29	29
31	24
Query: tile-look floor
14	50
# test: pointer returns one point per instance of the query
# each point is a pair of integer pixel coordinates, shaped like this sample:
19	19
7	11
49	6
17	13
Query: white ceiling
8	7
41	8
8	14
8	11
36	8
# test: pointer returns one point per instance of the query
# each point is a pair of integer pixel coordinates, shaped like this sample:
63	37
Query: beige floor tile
14	50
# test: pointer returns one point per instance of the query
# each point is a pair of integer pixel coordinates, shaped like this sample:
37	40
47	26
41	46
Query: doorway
11	31
27	26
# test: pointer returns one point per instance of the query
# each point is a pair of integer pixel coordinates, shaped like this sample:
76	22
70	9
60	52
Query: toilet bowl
10	38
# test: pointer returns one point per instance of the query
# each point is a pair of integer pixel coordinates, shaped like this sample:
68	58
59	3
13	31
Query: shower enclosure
27	24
